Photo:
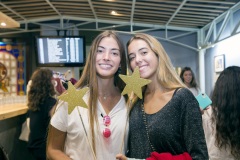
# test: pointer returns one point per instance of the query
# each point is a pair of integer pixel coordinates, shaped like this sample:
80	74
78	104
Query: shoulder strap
176	91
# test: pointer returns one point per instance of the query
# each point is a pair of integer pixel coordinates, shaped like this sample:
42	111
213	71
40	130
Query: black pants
37	153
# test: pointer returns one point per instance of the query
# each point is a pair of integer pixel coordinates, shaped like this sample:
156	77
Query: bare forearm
56	143
57	155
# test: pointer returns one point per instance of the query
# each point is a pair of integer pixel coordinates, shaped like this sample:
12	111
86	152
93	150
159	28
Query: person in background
28	86
189	80
41	100
104	122
221	121
59	88
167	122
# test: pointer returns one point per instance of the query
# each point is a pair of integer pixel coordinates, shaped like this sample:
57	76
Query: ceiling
132	15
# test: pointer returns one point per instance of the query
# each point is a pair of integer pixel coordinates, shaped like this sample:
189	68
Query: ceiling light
113	12
8	22
3	24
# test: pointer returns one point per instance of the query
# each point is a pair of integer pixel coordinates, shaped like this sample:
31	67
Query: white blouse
214	152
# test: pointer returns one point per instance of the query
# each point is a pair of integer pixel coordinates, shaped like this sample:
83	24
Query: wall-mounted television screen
60	51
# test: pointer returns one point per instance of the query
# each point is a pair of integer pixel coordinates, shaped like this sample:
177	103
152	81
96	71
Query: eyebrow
142	48
138	50
101	47
115	49
111	49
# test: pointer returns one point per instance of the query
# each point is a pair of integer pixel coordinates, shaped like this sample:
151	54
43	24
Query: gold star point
134	83
74	97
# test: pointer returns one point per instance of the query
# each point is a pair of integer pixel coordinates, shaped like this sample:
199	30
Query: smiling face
141	55
107	57
187	77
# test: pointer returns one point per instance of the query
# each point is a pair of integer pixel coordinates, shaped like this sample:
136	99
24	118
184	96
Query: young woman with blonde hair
167	122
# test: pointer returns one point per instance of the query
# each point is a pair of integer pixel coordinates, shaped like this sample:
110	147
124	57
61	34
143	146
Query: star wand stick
74	98
133	86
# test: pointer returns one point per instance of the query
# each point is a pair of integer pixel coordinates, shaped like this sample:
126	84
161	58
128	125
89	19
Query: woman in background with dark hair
189	80
40	103
221	122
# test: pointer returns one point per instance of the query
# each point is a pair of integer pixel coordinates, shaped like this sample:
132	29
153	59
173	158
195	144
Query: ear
54	83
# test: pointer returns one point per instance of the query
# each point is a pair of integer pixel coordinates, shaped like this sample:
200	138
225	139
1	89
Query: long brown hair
89	76
41	88
193	82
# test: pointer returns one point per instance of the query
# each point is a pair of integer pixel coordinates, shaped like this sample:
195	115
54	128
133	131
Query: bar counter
12	110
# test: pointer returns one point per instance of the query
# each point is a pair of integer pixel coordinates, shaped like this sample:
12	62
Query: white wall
231	49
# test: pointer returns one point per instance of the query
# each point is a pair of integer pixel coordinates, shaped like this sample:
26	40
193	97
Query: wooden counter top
12	110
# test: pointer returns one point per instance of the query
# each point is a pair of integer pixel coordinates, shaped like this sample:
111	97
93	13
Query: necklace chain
104	96
146	127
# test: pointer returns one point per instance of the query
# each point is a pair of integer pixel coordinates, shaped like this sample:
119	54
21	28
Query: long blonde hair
89	77
166	75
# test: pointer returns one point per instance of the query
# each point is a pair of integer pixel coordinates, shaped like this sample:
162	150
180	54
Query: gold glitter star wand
134	85
74	98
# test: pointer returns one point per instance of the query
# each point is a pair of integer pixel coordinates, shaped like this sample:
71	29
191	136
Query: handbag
24	136
169	156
